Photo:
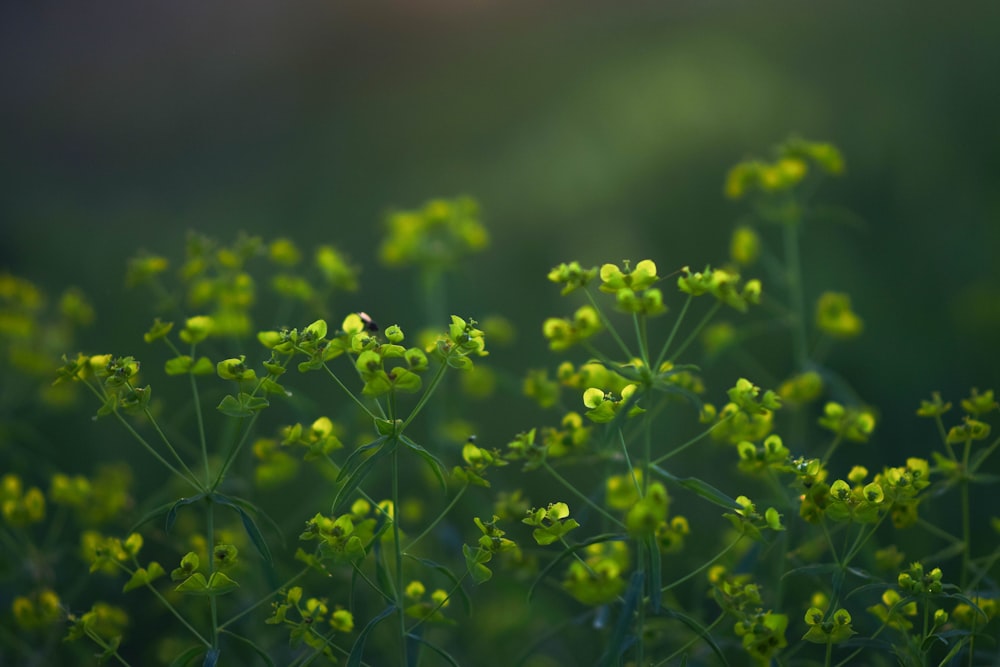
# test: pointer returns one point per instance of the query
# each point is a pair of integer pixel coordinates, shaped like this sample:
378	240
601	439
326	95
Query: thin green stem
173	610
831	449
234	451
669	659
213	599
700	436
200	419
440	516
422	401
142	441
166	441
608	325
97	639
704	566
400	604
301	573
600	510
639	321
693	336
349	393
673	332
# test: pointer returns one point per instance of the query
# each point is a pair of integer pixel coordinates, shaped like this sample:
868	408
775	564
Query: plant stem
400	606
697	330
436	521
704	566
673	332
600	510
264	599
607	324
213	599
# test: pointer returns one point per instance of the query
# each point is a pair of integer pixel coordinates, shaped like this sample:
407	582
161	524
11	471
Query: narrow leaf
249	525
620	640
359	474
441	652
699	487
358	649
431	460
172	514
187	656
699	630
253	647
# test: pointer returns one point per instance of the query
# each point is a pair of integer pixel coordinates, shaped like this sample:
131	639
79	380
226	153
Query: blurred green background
594	131
588	130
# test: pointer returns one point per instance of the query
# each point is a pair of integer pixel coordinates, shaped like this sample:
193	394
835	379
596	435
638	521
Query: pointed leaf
253	647
700	487
172	513
701	631
358	649
150	515
441	652
185	658
620	640
249	525
360	473
231	407
357	457
196	584
435	464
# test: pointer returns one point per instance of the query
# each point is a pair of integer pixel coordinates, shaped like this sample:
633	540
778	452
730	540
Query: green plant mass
306	486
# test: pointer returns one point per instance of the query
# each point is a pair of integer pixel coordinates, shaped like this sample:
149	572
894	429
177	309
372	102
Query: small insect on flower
370	324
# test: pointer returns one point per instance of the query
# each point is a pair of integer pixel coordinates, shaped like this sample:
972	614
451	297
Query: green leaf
196	584
358	475
620	640
358	648
172	513
699	630
150	515
178	365
220	583
701	488
474	559
203	366
253	647
185	658
248	524
435	464
243	406
441	652
231	407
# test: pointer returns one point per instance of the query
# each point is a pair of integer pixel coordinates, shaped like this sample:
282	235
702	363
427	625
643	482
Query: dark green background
588	130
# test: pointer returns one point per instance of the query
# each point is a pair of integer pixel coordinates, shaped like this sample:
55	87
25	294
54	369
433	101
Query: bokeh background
587	130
